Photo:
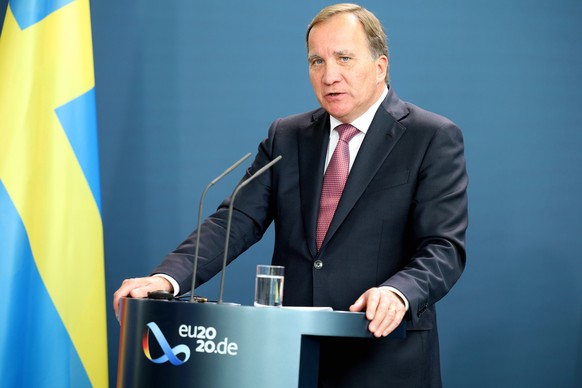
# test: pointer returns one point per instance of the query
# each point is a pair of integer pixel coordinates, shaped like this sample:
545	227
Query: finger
143	290
388	313
358	304
393	318
116	300
127	289
382	313
399	315
121	292
373	303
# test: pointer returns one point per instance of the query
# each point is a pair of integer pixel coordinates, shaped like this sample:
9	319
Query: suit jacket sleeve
439	218
252	215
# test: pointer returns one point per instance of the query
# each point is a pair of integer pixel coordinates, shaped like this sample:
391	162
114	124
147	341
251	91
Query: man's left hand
384	309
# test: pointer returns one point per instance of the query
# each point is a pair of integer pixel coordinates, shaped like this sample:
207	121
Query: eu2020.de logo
170	354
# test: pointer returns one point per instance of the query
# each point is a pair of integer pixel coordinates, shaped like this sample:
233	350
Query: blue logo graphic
170	354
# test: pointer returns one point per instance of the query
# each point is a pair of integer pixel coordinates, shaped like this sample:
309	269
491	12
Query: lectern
180	344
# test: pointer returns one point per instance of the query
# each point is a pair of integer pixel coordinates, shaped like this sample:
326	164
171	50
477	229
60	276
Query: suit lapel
382	136
313	142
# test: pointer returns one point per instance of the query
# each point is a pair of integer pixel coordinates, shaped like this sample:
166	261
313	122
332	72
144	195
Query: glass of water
269	285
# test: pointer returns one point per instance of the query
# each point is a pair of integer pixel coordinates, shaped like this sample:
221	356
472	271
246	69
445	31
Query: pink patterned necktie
334	180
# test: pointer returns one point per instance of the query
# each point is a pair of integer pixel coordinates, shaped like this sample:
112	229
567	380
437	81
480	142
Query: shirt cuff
400	294
172	281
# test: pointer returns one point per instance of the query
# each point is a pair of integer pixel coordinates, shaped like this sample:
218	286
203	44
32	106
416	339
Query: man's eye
316	61
344	59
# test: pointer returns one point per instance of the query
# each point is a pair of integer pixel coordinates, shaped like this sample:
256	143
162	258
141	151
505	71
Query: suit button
318	264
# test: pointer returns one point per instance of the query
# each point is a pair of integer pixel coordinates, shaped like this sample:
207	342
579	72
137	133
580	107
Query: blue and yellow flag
52	300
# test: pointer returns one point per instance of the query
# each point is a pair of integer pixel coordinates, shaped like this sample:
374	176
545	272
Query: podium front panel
175	344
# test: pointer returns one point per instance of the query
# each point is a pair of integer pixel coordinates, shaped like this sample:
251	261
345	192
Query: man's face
345	78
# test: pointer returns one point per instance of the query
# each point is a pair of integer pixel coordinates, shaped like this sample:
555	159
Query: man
390	243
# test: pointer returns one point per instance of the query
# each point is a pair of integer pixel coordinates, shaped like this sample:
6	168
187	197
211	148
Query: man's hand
384	310
139	288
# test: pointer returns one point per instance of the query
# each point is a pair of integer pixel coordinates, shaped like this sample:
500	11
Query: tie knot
346	132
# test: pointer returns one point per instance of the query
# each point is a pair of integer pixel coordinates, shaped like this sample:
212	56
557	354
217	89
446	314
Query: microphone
229	219
212	183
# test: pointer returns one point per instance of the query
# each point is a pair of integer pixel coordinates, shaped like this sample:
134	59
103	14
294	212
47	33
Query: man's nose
331	73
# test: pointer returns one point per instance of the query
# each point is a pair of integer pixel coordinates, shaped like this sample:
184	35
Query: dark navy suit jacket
400	222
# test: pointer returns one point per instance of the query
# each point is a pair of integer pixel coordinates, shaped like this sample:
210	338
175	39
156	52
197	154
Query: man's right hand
139	288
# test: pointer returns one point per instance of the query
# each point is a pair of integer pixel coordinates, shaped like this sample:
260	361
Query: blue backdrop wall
184	88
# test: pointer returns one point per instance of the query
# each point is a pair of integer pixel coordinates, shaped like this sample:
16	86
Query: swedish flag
52	305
